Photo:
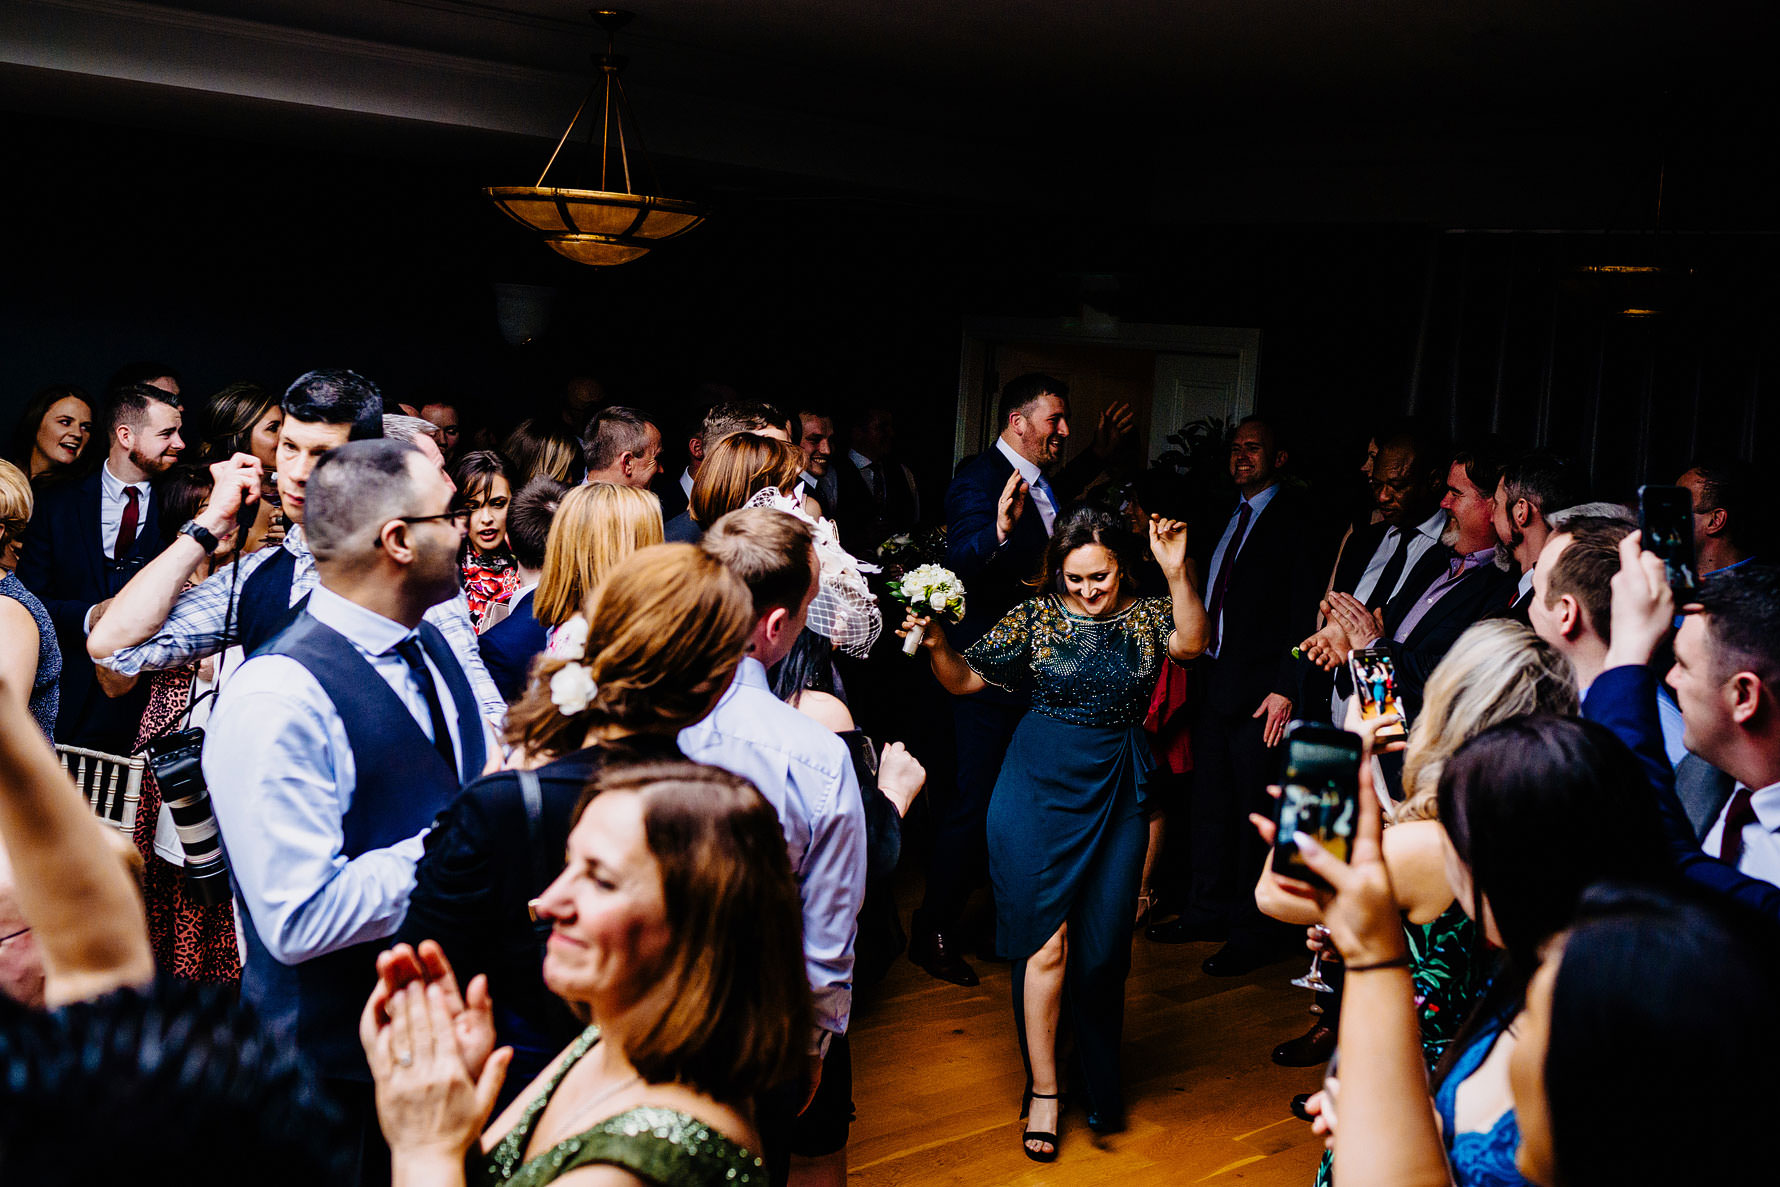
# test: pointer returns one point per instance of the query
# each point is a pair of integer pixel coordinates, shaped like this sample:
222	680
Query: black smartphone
1665	517
1375	683
1319	795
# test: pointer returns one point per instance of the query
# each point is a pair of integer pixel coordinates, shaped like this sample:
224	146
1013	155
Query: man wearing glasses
156	622
332	749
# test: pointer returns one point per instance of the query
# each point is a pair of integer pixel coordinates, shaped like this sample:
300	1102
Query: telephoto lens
174	759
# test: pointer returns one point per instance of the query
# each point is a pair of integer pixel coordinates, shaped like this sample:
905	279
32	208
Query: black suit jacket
1350	566
64	564
862	522
1478	595
996	575
1269	605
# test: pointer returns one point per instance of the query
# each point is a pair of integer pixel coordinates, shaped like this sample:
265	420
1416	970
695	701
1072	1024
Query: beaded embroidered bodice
658	1145
1086	671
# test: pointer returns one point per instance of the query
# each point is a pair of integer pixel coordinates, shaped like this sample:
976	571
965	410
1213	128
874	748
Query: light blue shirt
804	771
111	506
279	767
1228	546
1668	713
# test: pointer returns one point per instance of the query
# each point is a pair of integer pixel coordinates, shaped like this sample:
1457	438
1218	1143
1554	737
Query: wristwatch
204	536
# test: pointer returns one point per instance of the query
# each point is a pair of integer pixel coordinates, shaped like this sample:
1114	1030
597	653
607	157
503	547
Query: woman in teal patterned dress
1065	830
676	925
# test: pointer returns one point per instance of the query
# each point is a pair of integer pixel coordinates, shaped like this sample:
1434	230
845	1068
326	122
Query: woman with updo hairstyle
675	927
597	525
741	465
55	431
667	629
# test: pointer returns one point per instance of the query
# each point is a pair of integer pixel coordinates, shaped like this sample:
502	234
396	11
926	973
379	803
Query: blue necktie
1043	484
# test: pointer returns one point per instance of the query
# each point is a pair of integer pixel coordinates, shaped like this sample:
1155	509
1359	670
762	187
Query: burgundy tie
1740	813
126	528
1216	609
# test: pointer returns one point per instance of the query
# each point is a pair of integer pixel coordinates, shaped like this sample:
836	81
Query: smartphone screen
1320	795
1665	516
1375	683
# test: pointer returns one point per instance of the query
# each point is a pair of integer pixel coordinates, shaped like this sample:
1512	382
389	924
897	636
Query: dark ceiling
1464	113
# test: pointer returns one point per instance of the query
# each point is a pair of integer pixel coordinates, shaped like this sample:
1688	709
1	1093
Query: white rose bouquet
929	590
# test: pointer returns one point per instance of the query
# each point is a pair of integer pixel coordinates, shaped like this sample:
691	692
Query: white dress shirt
279	766
1030	473
1761	837
686	482
1232	547
1426	535
111	507
805	772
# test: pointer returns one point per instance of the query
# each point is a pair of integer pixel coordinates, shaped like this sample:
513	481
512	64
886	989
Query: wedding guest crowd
560	806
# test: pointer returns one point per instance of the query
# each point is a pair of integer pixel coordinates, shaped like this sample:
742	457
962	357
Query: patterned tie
409	650
126	528
1393	572
1740	813
1216	610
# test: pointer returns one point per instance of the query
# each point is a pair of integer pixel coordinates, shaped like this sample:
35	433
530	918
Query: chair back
111	783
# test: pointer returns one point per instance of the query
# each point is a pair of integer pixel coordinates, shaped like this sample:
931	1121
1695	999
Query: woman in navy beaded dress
1065	830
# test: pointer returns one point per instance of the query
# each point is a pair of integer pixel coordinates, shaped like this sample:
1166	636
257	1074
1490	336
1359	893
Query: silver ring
406	1059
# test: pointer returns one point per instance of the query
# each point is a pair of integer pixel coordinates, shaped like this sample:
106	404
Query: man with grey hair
621	446
421	434
333	748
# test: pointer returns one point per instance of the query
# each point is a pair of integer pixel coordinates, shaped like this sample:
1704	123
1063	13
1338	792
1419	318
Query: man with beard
86	541
331	751
1533	488
156	622
1419	627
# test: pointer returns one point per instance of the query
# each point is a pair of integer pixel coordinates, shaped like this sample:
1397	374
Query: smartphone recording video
1320	796
1375	684
1665	517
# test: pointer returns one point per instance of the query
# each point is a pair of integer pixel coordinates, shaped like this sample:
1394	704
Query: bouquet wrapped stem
929	590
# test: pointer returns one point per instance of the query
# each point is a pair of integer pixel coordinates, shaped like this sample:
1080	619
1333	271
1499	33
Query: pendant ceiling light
623	218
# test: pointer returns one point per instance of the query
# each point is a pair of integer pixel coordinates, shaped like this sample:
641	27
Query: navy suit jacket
509	646
64	564
995	574
1624	700
682	529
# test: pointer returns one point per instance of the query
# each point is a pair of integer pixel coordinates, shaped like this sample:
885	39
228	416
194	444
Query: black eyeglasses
457	518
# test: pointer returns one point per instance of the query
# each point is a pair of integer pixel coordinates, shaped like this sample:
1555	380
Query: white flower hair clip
569	641
572	688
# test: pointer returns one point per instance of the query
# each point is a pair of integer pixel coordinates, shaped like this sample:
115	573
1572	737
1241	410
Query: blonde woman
29	653
668	627
597	525
1497	670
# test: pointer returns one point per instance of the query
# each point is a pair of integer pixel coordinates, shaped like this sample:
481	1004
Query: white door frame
979	386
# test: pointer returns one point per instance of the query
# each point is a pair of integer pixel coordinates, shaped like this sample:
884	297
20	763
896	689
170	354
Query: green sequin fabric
1086	671
661	1146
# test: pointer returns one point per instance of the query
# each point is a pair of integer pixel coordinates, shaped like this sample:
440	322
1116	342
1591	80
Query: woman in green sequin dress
676	924
1066	833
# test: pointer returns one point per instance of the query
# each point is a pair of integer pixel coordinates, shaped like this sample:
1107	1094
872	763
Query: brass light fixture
608	225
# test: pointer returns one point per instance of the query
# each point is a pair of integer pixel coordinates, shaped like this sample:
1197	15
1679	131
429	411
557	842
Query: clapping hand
1168	542
1328	648
1361	626
1116	420
429	1105
472	1014
1009	507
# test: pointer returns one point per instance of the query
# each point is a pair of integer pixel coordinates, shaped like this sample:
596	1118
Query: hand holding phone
1665	520
1375	685
1319	796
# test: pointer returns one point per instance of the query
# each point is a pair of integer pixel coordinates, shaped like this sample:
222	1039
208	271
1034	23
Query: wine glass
1314	978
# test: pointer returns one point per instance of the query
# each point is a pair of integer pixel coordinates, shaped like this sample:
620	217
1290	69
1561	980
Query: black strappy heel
1033	1135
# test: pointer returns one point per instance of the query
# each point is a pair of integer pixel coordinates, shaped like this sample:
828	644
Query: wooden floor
937	1082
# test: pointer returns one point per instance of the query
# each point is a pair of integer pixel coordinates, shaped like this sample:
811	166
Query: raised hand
1010	506
1360	908
472	1014
237	487
1643	604
1168	543
1116	420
